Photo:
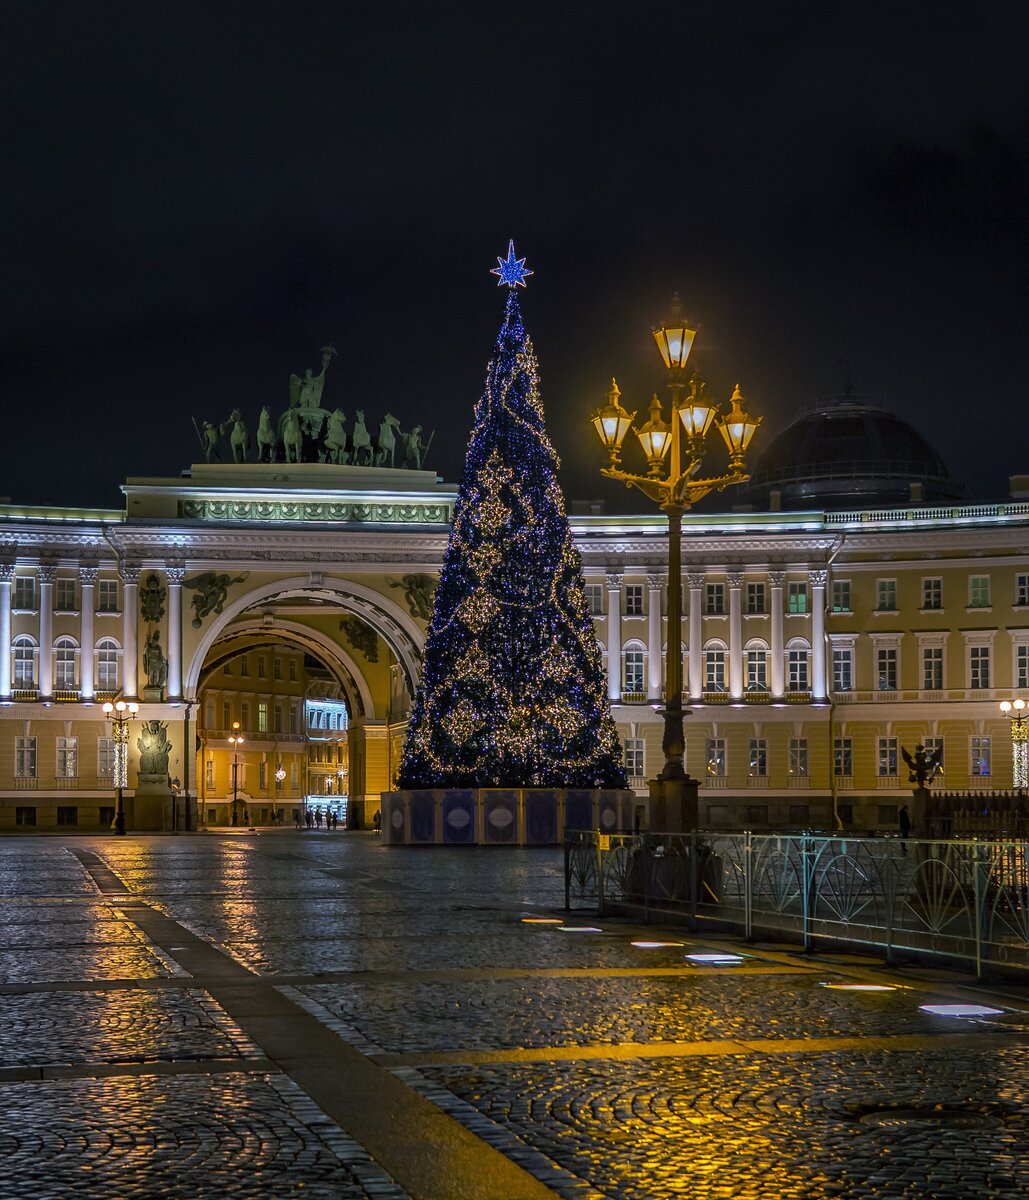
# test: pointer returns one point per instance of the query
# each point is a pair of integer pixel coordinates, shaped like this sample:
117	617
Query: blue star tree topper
511	270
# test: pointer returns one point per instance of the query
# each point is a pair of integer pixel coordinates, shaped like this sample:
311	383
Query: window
887	756
294	775
716	757
25	757
886	669
67	758
244	714
979	591
24	592
634	600
67	814
758	758
978	667
226	715
292	716
980	756
798	757
887	814
846	812
843	757
932	668
932	593
796	600
262	667
107	665
843	669
1022	591
292	670
262	775
105	816
714	599
841	595
244	665
714	670
633	680
800	815
757	814
1022	666
227	668
25	814
64	663
262	717
107	596
64	595
797	662
634	757
277	718
886	595
756	598
209	775
757	670
594	599
105	757
24	663
932	745
277	668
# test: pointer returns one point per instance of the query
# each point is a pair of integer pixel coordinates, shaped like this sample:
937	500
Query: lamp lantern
655	437
737	427
612	423
698	412
675	338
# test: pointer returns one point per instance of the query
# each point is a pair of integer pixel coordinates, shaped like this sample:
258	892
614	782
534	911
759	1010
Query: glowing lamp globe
675	339
698	412
737	427
612	422
655	437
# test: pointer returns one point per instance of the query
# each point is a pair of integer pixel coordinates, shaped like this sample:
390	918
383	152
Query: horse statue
292	437
360	442
335	438
239	439
267	438
386	445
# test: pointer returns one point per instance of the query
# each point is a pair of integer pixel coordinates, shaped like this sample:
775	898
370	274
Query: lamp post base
674	805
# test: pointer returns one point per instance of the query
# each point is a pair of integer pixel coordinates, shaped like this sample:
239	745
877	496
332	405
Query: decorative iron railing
965	901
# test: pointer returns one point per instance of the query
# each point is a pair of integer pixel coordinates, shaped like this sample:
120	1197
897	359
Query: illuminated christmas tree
512	691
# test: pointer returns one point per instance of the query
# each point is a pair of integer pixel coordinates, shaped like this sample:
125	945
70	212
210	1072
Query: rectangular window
756	598
841	595
887	814
934	745
797	661
758	758
757	814
796	598
262	775
25	757
842	669
886	669
1022	591
633	681
634	600
244	714
1022	666
714	671
886	595
757	670
105	757
107	666
262	716
798	757
209	775
107	596
800	815
64	595
25	814
980	764
887	756
294	775
595	599
277	668
714	599
226	714
716	757
277	718
979	591
846	812
227	668
67	758
932	594
64	664
105	816
293	718
634	757
292	670
843	757
67	814
244	665
262	667
24	663
978	667
24	592
932	668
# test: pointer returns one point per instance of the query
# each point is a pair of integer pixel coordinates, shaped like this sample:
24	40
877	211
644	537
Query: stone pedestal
153	695
674	805
150	809
918	810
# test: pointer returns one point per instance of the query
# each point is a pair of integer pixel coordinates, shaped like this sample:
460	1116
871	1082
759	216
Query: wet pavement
312	1014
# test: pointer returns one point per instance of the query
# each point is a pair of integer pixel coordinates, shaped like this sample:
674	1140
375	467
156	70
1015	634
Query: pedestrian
296	818
309	820
377	821
905	827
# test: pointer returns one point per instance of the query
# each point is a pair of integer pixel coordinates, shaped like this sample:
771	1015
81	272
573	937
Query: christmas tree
512	691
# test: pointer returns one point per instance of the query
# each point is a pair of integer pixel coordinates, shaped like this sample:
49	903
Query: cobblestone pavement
294	1014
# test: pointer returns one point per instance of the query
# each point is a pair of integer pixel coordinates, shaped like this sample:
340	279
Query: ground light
541	921
655	945
858	987
579	929
715	960
960	1010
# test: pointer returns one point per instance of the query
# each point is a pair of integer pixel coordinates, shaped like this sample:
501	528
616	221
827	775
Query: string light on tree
1015	712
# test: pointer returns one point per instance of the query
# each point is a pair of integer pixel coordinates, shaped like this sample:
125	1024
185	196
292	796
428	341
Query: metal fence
964	901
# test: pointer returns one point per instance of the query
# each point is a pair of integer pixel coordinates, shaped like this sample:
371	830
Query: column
174	575
778	666
130	667
87	607
817	580
696	664
735	635
614	635
655	682
6	578
46	630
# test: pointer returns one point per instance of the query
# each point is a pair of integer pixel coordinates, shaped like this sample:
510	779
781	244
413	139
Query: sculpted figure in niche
154	748
155	664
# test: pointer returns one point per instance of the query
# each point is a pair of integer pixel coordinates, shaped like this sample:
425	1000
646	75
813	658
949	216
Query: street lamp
1015	712
116	714
236	738
680	441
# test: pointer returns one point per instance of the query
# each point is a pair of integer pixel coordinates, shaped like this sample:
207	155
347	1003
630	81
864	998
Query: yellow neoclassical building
272	618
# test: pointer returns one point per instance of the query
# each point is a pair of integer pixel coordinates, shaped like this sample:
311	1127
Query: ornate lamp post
236	738
119	714
675	488
1015	712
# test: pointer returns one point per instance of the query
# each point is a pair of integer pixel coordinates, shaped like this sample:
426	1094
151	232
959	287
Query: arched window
757	665
632	677
798	671
24	651
65	651
714	666
107	652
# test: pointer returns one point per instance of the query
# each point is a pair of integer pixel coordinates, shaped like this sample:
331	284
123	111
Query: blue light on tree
511	270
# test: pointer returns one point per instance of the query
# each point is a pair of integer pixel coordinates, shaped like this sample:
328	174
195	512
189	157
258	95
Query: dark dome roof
849	455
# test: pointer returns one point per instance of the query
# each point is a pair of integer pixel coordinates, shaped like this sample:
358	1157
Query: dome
849	455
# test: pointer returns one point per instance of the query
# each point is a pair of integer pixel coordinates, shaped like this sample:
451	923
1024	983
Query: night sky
197	197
